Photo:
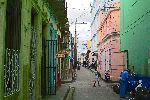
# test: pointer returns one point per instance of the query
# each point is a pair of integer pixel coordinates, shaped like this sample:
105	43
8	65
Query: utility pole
75	46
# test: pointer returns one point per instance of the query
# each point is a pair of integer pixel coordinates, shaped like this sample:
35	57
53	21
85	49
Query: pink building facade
110	59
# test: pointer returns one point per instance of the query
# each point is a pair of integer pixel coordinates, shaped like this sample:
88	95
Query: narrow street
84	89
43	41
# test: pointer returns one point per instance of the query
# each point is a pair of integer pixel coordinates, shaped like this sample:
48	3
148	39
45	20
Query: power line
81	15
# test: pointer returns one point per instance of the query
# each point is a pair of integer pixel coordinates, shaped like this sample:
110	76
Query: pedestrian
74	74
107	75
84	63
74	71
75	65
123	83
78	66
97	79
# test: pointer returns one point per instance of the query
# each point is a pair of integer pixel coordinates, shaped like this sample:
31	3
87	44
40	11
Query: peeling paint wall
41	17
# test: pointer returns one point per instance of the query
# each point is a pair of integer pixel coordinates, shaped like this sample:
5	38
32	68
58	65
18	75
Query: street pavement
84	89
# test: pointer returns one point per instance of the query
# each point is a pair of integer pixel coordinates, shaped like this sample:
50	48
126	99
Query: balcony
59	9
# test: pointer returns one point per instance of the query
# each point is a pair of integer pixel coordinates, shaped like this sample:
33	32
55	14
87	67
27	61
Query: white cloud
83	4
80	9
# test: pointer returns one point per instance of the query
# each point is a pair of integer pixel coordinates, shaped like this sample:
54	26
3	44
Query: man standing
123	83
97	79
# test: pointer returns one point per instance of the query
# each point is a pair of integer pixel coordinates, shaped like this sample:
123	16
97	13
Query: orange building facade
110	58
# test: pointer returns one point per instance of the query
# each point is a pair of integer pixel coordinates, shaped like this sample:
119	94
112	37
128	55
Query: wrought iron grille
12	47
11	71
33	53
52	44
43	68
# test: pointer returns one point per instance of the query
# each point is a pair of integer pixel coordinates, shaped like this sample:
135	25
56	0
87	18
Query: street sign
60	55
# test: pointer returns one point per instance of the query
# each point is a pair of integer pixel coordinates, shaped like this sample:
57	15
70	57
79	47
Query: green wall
25	49
135	33
2	41
27	5
43	13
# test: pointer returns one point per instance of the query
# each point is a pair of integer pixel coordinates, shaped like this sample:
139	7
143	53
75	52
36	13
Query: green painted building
135	34
25	28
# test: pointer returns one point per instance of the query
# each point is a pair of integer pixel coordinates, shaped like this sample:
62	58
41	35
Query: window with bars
11	72
12	47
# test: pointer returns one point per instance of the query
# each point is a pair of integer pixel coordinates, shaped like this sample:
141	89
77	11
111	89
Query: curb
66	93
92	71
66	81
69	94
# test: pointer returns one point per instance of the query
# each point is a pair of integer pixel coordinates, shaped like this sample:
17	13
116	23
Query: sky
80	9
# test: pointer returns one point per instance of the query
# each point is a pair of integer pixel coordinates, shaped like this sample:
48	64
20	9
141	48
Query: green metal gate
43	68
52	71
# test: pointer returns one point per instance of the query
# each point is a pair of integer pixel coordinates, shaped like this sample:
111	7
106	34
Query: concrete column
25	49
2	44
39	54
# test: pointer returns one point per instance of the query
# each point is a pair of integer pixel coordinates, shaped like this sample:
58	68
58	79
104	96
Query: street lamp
75	47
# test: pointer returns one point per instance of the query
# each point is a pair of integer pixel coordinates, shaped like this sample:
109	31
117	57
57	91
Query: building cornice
108	36
105	19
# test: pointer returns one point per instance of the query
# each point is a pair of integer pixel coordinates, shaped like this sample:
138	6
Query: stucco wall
27	5
110	57
135	33
43	18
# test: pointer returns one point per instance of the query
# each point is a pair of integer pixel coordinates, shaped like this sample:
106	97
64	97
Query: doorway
126	59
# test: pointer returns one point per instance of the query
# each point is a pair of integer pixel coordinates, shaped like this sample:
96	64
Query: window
12	47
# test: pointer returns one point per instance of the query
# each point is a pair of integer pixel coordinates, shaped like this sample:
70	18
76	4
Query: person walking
74	74
123	83
78	66
97	79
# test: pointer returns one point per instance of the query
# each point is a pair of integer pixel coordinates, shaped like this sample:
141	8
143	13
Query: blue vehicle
139	87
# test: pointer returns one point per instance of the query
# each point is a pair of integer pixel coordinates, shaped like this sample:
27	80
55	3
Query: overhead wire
81	15
85	13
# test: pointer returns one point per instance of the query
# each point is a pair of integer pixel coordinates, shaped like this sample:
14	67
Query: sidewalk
69	80
60	94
